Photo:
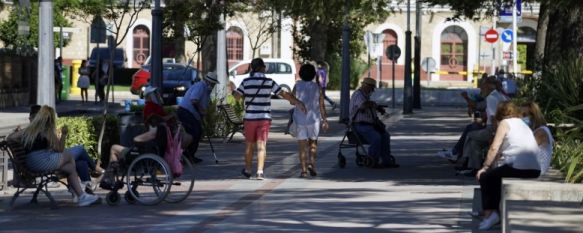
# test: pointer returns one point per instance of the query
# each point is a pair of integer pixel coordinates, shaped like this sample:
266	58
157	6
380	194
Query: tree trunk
209	54
179	41
541	30
564	40
318	40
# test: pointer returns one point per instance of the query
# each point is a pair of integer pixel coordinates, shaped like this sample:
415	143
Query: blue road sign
506	9
506	36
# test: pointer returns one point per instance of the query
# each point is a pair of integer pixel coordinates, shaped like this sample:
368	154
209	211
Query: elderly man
363	116
192	110
257	90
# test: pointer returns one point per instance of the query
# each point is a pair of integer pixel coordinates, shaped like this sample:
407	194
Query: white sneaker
490	221
88	185
87	199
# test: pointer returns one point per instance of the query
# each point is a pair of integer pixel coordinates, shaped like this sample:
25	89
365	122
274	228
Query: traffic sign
393	52
507	36
491	36
505	11
428	64
507	55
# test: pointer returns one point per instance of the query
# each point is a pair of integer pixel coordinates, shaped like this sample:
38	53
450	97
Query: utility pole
417	83
514	38
407	92
345	82
46	57
156	61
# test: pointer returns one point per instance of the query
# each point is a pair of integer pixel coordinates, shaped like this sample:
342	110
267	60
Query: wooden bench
23	178
234	120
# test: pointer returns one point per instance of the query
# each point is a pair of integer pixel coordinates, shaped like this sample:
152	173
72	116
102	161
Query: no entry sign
491	36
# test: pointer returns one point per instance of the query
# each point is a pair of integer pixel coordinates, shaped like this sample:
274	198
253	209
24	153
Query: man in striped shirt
257	90
363	118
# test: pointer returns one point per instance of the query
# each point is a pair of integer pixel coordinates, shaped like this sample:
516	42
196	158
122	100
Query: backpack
174	151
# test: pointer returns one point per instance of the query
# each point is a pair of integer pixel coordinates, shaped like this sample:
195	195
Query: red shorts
256	130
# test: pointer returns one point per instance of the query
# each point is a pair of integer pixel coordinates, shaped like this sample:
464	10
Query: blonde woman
516	143
308	124
532	116
44	151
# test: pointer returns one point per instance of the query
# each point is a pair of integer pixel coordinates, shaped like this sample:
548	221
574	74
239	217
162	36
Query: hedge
84	130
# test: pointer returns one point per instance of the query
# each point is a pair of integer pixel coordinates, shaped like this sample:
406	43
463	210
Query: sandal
312	171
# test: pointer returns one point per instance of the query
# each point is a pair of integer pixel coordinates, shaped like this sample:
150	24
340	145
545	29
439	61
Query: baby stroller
149	178
358	142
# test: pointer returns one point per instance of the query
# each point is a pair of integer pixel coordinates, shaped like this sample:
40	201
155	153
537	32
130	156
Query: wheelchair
352	139
148	177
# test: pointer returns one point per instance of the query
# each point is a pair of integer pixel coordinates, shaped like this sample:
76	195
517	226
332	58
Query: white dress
83	81
307	124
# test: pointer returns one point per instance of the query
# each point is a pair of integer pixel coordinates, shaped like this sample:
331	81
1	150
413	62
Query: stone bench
546	204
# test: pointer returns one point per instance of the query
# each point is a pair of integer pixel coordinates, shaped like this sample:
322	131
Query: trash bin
65	82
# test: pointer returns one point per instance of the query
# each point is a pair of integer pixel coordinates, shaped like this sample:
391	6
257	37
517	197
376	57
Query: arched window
234	44
141	35
389	39
454	52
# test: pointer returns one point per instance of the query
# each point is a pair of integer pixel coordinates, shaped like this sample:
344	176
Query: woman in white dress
83	81
308	125
532	115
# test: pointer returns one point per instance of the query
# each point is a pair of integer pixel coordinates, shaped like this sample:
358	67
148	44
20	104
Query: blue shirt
199	91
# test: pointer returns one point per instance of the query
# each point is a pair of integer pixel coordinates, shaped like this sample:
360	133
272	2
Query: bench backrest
17	153
230	114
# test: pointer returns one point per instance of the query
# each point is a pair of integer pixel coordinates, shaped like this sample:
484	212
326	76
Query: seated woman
516	143
532	116
45	153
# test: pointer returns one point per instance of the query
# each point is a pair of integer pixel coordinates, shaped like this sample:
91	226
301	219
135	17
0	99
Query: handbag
292	128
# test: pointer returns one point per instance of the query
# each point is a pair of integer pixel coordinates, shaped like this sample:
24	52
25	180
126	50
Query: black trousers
491	183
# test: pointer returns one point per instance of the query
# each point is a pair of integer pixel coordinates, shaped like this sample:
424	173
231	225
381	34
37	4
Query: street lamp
156	60
345	82
407	92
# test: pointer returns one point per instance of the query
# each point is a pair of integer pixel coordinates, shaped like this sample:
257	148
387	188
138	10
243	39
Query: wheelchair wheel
182	185
341	160
149	179
112	198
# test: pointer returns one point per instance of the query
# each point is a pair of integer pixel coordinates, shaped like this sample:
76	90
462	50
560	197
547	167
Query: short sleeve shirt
257	91
151	108
199	91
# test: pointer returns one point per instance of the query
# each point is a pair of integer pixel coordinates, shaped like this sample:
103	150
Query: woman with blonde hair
44	151
516	143
532	116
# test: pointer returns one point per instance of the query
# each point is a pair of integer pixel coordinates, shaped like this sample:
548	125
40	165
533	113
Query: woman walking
308	124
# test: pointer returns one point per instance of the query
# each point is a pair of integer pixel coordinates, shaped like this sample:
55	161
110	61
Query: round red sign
491	36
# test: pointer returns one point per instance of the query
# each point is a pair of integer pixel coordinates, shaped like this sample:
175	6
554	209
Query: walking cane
212	149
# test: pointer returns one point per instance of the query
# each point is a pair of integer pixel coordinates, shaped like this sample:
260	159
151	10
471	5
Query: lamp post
345	82
417	82
407	92
156	61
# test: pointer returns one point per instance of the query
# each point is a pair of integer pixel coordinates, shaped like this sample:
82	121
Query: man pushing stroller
366	123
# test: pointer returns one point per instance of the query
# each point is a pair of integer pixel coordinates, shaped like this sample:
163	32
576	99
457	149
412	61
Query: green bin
65	82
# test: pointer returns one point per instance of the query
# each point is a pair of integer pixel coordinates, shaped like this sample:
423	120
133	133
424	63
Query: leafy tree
9	28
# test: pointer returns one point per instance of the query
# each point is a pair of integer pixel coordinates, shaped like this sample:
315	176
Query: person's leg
83	170
80	154
249	149
302	147
313	151
115	152
459	146
67	165
261	153
186	119
372	137
386	148
477	141
262	135
330	101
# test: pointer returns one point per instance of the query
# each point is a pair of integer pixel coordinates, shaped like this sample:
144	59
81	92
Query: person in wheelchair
366	123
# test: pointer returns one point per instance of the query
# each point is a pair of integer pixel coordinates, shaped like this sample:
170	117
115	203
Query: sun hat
369	81
211	77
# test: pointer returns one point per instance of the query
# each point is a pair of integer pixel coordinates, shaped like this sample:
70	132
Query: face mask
526	120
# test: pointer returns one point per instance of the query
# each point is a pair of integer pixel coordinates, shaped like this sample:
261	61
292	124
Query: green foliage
568	157
84	131
9	28
357	68
215	124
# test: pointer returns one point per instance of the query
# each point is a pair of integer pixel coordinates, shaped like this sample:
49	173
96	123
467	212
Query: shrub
85	131
568	157
357	68
215	124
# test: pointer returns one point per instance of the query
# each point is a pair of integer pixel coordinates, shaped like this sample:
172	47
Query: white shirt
519	146
545	152
492	101
309	94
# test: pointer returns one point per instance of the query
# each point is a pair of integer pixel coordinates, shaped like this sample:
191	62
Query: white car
282	71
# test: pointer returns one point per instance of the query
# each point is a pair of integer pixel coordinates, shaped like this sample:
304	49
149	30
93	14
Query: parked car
104	54
177	78
282	71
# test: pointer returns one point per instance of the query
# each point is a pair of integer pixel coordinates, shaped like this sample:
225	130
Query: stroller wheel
341	160
129	198
112	198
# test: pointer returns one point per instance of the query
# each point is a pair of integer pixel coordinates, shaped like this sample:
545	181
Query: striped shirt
356	100
257	91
